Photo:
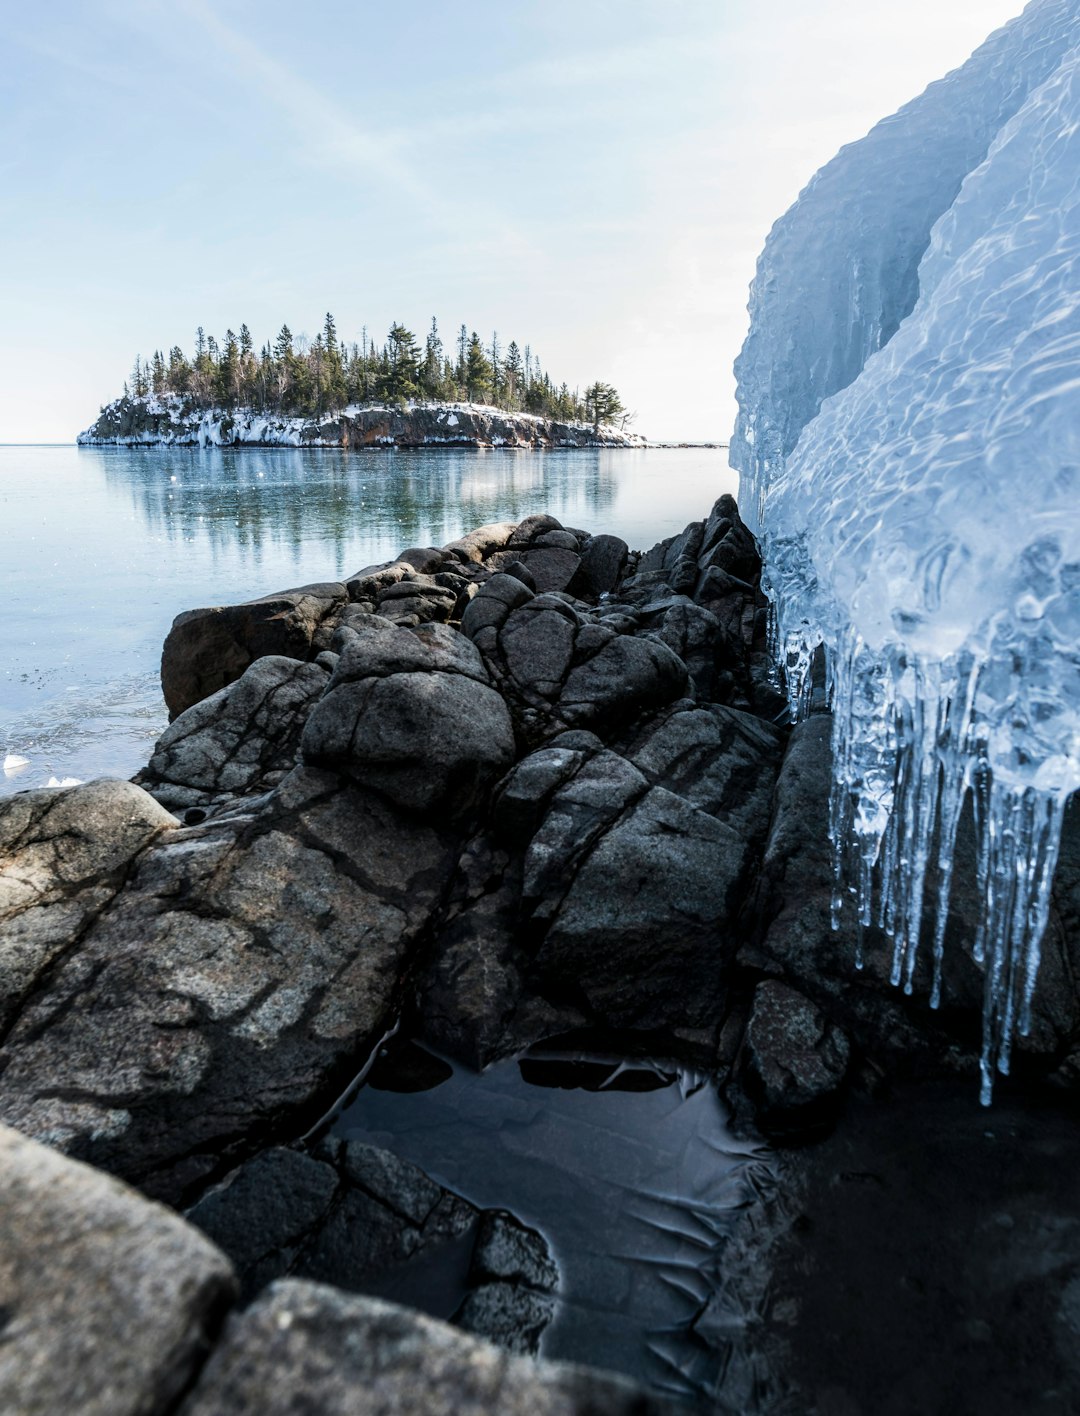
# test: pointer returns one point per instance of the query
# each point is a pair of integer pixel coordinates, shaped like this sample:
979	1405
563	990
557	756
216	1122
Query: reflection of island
253	500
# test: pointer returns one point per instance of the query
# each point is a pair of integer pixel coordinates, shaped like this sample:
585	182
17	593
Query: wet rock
109	1302
207	649
305	1345
509	1251
263	1213
239	739
796	1058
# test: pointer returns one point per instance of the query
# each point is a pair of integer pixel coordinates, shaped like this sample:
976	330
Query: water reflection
249	501
101	547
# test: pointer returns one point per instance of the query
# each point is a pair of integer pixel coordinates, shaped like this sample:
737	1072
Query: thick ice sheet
926	522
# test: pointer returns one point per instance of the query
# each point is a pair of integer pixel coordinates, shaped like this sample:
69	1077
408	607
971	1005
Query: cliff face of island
174	422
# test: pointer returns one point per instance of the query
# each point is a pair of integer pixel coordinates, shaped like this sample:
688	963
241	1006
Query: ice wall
909	441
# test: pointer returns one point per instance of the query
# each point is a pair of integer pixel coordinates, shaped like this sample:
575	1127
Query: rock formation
528	784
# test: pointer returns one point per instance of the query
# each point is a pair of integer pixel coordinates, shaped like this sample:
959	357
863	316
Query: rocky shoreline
532	785
173	422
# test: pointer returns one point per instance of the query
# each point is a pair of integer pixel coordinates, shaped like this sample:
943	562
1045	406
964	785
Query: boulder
625	678
239	739
413	718
481	543
367	1221
603	563
110	1302
647	928
552	567
303	1346
795	1058
207	649
722	761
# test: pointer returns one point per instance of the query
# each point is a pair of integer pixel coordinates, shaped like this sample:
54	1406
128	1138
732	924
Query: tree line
296	375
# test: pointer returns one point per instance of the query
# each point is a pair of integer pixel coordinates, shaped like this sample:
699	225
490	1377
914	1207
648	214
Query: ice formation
909	444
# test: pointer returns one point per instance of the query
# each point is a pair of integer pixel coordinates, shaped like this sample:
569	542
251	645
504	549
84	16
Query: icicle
908	749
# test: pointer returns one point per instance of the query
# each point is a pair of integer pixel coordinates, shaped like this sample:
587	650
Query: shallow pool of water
629	1169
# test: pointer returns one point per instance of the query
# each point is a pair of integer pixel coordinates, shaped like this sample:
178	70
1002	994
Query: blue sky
594	178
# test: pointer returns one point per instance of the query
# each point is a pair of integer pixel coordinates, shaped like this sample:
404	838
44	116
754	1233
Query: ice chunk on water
13	763
917	487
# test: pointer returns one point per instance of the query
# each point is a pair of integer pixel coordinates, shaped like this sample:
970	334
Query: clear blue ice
909	447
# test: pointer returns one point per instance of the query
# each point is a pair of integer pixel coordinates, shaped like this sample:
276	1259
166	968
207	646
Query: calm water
629	1170
101	547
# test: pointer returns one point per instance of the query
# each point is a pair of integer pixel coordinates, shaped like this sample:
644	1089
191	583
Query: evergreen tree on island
317	378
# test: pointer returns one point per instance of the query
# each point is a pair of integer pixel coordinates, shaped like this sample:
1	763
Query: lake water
101	547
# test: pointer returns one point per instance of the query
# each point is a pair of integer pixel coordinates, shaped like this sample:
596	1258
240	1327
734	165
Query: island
172	422
327	392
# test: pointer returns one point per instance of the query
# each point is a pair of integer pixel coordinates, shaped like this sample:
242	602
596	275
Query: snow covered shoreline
171	422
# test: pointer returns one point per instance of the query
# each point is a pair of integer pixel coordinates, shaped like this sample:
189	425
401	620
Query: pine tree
228	372
512	376
431	377
140	381
335	395
478	372
602	405
403	360
495	355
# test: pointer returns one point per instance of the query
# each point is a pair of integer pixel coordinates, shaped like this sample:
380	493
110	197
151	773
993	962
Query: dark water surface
101	547
629	1169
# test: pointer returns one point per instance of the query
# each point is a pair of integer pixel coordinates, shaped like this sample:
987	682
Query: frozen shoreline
171	422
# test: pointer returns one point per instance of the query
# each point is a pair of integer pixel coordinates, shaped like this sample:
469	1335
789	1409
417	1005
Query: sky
594	178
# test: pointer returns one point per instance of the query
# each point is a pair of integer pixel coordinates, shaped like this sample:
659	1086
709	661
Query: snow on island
172	421
909	443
